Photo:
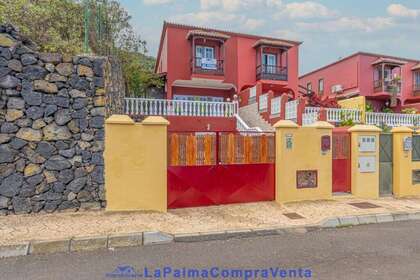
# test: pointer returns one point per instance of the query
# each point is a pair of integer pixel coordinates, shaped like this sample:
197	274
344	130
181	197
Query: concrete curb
111	242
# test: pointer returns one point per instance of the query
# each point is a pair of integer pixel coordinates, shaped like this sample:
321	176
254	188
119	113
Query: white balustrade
310	115
392	119
171	107
334	115
338	115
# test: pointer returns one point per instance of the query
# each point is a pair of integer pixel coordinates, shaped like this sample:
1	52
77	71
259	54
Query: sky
329	29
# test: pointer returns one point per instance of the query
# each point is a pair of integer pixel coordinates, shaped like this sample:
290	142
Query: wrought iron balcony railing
207	66
271	72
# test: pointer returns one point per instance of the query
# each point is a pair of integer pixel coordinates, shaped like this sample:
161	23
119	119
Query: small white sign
408	143
209	63
367	143
367	164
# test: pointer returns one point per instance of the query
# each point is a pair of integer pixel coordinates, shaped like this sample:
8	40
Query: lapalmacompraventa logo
167	272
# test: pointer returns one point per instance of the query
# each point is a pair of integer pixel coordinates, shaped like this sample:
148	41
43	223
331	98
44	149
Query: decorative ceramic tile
306	179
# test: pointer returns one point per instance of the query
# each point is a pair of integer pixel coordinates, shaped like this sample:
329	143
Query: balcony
386	86
207	66
270	72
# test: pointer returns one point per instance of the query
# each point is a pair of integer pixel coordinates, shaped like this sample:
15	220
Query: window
417	80
321	86
269	63
309	87
387	74
203	52
275	106
252	95
198	98
263	104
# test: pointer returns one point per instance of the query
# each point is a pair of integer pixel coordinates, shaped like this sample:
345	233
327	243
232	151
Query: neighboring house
213	65
385	81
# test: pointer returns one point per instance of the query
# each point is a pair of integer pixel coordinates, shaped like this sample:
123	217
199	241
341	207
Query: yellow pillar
298	149
135	164
365	161
402	163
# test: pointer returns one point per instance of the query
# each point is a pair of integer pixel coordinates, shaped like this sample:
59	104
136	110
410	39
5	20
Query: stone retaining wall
52	111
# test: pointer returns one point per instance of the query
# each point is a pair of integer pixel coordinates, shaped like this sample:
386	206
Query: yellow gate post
365	161
135	164
299	155
403	164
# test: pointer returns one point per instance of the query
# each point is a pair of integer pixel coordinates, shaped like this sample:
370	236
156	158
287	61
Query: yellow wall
364	185
304	155
358	102
403	165
135	164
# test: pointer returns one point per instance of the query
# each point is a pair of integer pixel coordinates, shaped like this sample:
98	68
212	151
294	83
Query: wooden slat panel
208	149
174	150
264	149
194	149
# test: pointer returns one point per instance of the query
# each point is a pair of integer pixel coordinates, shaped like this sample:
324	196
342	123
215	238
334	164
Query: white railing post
164	107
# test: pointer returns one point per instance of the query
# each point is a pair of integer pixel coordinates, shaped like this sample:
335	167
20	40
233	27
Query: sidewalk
23	228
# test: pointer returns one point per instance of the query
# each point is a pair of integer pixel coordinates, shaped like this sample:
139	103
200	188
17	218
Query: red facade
372	75
213	65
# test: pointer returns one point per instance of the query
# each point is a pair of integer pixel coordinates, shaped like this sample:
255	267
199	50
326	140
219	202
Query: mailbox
367	164
325	143
367	143
408	143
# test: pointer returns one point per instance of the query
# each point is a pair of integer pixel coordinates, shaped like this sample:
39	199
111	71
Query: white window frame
263	102
321	82
206	98
417	78
252	95
309	86
269	62
202	52
276	106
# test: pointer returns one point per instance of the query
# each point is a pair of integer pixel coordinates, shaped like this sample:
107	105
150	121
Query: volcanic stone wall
52	111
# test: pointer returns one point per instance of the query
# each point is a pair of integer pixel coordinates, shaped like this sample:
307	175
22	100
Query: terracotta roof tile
276	43
416	67
211	34
388	60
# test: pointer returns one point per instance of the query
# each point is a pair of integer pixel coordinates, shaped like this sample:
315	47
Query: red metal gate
212	168
341	160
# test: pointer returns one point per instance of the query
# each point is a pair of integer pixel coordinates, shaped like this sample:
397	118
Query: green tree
55	25
112	34
138	73
59	26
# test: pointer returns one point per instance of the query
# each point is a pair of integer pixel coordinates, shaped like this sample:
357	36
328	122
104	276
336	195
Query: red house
385	81
205	64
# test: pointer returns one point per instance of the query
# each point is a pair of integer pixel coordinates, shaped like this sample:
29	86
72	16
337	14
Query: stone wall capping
119	119
321	125
155	120
285	124
401	129
364	128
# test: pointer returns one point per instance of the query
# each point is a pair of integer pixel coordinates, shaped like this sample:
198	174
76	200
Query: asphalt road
381	251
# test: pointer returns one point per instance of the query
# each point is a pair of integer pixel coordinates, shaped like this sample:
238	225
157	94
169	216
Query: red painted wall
180	123
356	74
345	73
239	60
